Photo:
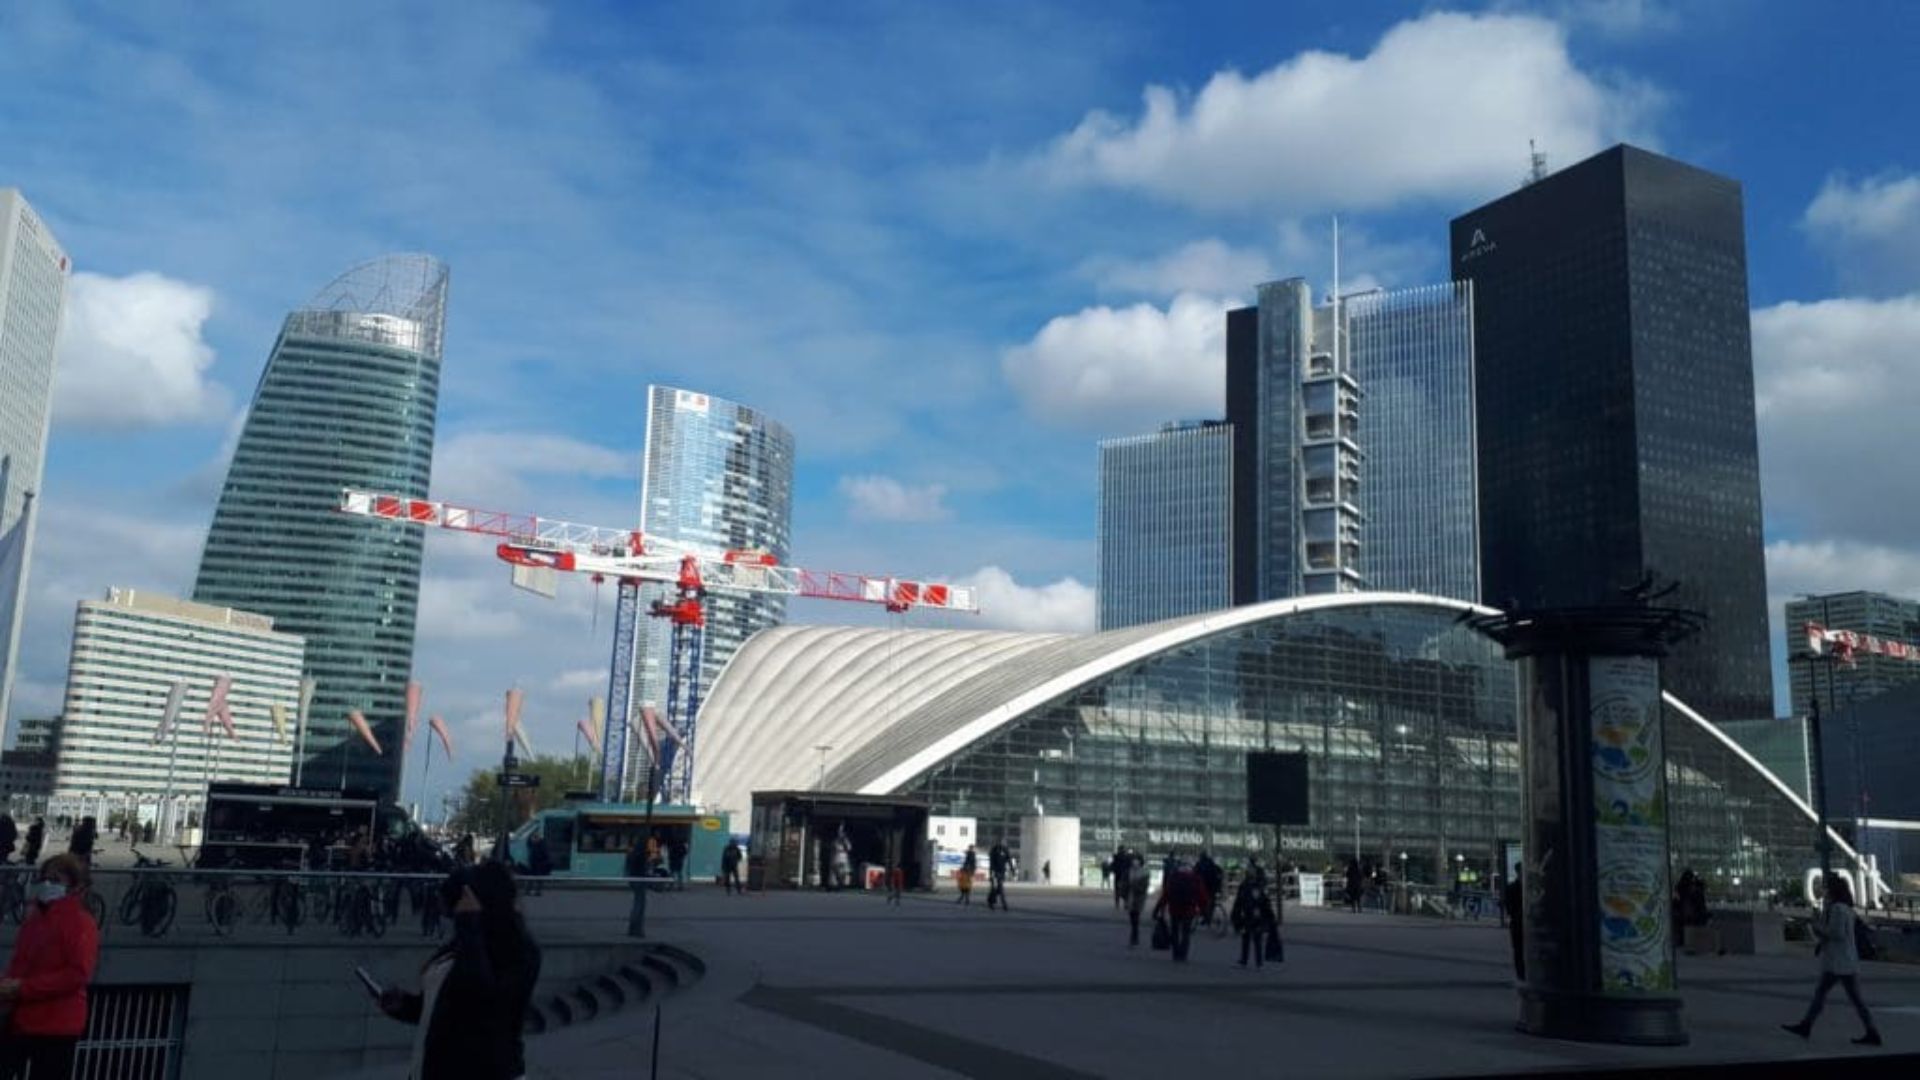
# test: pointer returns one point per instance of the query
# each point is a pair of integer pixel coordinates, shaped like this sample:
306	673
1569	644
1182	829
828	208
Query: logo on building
1478	245
691	402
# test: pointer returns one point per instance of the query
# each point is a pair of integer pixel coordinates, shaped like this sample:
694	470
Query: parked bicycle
13	894
150	899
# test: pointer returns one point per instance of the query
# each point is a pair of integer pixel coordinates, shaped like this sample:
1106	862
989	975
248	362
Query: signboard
1630	825
517	779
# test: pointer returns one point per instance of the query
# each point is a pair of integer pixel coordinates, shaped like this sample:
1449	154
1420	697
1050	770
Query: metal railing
133	1033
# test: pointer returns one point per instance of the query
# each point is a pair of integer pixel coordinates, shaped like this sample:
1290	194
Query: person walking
1124	865
963	877
998	863
472	1003
842	860
1134	873
1513	902
45	985
9	837
1106	872
896	883
81	842
677	863
1254	916
1839	962
730	868
36	839
1183	898
1046	872
1215	880
1355	884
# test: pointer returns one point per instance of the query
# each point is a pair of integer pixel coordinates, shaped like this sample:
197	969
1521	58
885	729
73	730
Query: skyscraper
1890	618
1166	524
720	474
33	290
1353	451
348	399
1614	382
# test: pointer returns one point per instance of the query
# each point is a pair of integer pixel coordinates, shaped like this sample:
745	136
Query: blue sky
950	246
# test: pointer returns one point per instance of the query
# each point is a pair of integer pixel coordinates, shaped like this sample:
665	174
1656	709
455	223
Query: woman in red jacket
46	981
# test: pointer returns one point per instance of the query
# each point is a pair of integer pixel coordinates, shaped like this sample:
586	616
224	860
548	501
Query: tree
478	810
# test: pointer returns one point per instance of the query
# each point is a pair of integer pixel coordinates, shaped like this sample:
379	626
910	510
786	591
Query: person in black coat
474	991
36	837
9	837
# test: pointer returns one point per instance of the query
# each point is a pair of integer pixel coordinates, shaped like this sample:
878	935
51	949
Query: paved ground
841	985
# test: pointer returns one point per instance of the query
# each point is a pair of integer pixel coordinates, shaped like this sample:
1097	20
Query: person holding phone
474	992
46	980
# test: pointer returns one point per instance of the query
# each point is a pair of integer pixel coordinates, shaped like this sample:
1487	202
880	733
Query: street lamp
823	749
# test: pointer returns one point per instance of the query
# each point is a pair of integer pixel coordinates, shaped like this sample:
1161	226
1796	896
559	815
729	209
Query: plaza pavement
842	985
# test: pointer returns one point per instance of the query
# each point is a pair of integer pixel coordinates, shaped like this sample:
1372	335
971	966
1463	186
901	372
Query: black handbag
1276	949
1162	933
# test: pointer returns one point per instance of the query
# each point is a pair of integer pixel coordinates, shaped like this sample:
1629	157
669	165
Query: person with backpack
1254	917
1183	898
999	861
1837	933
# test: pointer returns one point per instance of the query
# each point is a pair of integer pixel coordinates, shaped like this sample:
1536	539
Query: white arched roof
893	703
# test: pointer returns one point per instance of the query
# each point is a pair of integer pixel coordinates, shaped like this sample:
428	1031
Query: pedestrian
9	837
637	868
474	991
1123	865
1254	917
81	842
730	867
1513	902
1216	881
1183	898
963	877
1135	875
1106	873
677	863
1354	884
1046	872
36	839
842	860
1839	962
999	861
45	986
896	883
539	861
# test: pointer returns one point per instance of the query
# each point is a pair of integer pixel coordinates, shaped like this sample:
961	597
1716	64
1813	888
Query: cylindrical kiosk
1597	929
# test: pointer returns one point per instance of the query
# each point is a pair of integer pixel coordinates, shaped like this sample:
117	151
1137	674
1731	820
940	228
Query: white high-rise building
33	289
128	652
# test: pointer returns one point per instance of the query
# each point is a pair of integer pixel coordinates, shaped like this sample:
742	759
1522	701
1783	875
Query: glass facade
33	291
348	399
1166	524
719	474
1614	384
1354	450
1419	501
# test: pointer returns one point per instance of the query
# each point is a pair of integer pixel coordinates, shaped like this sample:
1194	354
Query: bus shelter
795	832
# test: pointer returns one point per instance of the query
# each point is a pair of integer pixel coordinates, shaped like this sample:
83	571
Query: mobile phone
372	984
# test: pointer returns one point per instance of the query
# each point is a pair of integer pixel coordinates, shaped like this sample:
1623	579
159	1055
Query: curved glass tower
347	400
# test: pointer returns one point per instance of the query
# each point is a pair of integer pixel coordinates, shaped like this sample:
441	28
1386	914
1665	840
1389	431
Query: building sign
688	401
1630	825
1478	245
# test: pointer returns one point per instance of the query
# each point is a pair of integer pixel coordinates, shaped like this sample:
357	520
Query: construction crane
688	571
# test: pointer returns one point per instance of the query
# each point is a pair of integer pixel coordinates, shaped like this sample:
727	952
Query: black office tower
1614	387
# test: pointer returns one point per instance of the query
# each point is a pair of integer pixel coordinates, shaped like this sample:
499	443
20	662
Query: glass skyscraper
348	399
1353	443
718	474
1614	386
1166	523
1419	503
33	290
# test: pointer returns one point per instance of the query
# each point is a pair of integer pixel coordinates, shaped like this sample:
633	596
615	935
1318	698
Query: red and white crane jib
527	540
1847	644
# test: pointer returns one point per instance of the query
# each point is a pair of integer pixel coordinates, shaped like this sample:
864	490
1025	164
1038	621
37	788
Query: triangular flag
650	729
520	737
279	714
176	694
216	701
515	699
359	722
439	727
226	721
587	729
414	694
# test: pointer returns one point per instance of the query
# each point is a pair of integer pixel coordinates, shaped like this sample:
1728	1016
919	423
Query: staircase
642	977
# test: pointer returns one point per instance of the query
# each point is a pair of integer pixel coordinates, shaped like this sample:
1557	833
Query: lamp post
823	750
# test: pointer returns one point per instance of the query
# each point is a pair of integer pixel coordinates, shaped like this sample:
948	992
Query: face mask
52	890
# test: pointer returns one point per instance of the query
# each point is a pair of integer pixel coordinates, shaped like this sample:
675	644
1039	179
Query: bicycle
150	900
357	911
222	906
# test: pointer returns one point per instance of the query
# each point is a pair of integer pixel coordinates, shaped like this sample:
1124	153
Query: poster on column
1630	825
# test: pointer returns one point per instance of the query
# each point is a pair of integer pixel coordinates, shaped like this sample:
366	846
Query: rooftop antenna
1537	163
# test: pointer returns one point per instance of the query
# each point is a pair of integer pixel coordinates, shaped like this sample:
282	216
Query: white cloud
1204	266
882	498
1442	107
1064	606
491	468
1117	368
1796	568
1837	387
1620	18
1871	229
132	355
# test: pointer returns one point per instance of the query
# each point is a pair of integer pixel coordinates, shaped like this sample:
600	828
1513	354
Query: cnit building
1583	386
